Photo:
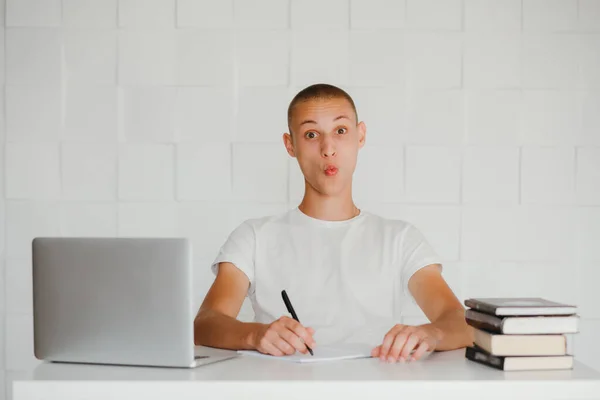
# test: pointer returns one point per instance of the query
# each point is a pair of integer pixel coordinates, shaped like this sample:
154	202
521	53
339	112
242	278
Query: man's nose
327	148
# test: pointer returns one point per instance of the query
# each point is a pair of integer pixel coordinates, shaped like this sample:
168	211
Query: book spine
484	326
484	308
482	357
486	322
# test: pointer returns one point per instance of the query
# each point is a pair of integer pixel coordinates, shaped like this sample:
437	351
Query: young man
348	273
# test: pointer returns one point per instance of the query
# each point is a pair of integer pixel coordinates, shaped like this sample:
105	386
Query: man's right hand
284	336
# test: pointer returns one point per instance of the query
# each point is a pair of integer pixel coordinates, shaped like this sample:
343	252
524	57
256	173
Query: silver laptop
124	301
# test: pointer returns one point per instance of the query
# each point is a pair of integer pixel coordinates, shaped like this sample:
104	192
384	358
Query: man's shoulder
395	224
258	222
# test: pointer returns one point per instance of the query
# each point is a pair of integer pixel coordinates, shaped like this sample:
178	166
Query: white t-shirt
348	280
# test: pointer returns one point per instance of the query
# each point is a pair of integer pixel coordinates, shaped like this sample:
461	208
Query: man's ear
362	134
288	141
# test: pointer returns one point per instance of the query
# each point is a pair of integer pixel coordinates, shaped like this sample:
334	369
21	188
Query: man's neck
328	208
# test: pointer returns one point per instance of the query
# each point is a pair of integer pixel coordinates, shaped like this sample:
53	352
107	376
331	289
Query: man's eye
308	135
341	130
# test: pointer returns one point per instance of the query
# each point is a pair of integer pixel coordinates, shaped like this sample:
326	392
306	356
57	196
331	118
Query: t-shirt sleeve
239	249
416	254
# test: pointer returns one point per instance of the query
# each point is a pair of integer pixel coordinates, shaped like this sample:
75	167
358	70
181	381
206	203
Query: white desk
441	375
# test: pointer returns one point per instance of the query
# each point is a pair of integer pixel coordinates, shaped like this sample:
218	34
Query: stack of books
517	334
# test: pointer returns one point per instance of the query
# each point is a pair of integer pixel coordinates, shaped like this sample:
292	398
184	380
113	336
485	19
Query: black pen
288	305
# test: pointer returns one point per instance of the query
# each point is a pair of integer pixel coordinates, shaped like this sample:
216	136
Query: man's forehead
328	109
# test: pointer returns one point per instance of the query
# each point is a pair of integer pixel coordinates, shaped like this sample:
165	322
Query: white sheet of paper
322	353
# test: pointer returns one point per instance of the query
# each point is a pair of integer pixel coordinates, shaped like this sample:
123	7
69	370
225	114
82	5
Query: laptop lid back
113	300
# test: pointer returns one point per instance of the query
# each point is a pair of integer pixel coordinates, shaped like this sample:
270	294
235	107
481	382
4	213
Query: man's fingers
266	344
271	349
293	339
421	349
284	346
275	338
300	331
388	340
397	346
375	351
412	342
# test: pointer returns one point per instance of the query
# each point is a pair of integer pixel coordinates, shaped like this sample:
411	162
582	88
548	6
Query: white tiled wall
164	118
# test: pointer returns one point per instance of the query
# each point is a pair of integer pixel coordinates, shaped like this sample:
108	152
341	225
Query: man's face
325	138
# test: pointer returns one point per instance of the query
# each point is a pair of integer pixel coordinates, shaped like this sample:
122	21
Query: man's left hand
400	342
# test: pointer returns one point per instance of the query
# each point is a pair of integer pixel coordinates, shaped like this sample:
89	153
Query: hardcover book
522	324
518	363
520	306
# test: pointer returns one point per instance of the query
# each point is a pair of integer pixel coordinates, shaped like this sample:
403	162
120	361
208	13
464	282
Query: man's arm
448	329
216	324
442	308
